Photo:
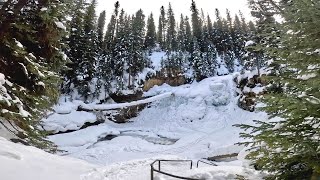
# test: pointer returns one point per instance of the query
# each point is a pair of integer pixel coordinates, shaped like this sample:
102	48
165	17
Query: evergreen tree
109	39
210	29
267	32
120	52
88	61
197	61
150	39
239	38
196	24
162	28
76	49
244	26
218	37
288	146
189	37
171	41
31	59
100	28
181	35
100	51
139	60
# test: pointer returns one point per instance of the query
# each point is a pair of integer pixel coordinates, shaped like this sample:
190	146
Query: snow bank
157	58
140	170
64	122
29	163
65	117
83	138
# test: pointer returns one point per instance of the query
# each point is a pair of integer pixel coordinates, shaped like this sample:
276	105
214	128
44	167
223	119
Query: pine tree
188	40
100	28
196	24
227	43
31	59
197	61
89	58
218	37
210	29
267	28
209	55
171	41
150	39
288	146
100	51
120	52
162	28
75	48
109	39
244	26
139	60
239	38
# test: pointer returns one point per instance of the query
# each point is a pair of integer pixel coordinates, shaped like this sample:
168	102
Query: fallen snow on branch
124	105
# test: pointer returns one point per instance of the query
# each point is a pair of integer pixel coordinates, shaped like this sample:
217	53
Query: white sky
179	6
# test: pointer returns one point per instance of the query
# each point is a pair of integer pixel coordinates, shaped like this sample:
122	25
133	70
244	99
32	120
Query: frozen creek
196	122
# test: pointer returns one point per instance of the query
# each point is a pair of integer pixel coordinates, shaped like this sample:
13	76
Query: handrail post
151	173
159	165
191	165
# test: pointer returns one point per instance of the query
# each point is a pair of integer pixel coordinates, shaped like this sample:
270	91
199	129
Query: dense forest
54	47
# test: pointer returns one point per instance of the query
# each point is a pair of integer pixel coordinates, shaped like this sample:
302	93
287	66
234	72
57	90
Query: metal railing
153	169
209	163
168	174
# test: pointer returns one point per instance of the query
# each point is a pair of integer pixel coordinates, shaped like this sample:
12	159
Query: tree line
102	61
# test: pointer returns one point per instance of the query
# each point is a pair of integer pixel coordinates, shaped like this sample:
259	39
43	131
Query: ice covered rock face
211	91
220	95
194	101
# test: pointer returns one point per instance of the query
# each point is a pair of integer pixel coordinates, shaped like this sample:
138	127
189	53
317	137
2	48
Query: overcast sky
179	6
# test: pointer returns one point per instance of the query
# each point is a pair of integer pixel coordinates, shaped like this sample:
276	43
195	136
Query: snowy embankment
29	163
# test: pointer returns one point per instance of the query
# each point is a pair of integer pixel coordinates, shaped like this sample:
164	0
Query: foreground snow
140	170
29	163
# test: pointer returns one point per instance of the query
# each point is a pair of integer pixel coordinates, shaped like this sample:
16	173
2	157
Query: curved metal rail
212	164
153	169
168	174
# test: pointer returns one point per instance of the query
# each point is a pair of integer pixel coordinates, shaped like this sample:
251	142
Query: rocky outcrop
250	87
170	76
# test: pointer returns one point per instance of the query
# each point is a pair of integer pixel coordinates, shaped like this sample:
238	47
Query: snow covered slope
19	162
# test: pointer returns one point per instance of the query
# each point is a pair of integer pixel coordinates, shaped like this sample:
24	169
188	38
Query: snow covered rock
64	122
250	86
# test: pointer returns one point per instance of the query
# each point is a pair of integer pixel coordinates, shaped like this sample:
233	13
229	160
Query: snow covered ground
196	122
29	163
193	123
